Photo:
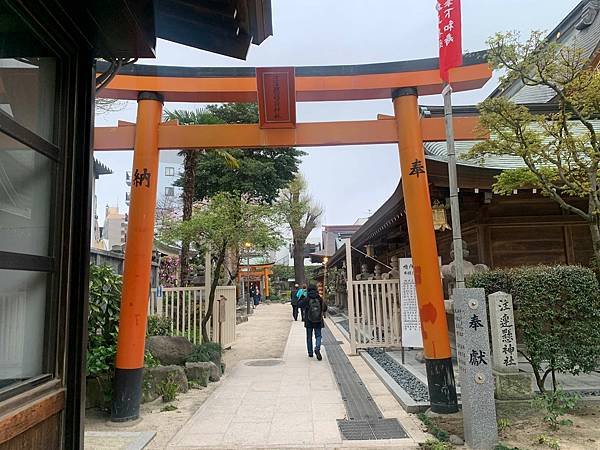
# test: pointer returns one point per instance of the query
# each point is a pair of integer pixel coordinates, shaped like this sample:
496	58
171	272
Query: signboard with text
409	307
276	97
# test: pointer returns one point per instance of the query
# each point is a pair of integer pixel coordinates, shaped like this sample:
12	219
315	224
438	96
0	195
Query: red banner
276	97
450	27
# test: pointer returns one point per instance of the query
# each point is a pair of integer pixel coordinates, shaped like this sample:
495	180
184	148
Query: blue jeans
309	343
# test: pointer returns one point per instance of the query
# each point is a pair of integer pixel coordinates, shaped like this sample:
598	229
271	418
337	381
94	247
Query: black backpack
314	309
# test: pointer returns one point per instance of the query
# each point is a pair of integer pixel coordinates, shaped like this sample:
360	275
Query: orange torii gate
402	82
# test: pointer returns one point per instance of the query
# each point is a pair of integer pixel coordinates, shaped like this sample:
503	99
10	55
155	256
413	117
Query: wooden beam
304	135
327	83
30	414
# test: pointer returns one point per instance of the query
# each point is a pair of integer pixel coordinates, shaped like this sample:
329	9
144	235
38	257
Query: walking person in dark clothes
314	310
294	301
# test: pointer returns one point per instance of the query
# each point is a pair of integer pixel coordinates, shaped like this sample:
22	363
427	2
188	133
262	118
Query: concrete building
114	231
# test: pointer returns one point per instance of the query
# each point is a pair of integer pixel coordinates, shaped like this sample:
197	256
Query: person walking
314	310
294	301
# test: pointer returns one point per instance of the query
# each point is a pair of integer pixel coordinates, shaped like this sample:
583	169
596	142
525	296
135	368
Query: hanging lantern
440	221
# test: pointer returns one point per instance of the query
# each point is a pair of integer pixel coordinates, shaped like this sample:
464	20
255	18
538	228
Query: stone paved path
294	402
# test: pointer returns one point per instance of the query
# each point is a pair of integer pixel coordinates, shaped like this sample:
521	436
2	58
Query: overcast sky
350	182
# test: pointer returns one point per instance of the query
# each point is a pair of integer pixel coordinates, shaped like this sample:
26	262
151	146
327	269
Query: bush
159	326
557	315
555	405
103	319
205	352
168	390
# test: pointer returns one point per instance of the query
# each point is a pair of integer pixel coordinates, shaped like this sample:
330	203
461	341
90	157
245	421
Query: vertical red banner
276	90
450	36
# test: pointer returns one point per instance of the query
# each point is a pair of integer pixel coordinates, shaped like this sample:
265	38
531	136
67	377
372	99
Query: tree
226	222
302	215
197	117
560	150
262	172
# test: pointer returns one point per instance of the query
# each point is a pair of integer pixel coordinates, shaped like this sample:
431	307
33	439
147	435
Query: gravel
407	381
345	325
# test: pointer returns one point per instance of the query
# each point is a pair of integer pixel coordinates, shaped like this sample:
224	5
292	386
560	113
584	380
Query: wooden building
525	228
48	52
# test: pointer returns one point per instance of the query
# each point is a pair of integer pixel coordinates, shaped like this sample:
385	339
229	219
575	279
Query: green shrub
434	444
159	326
168	390
557	315
149	360
103	319
100	360
205	352
555	405
437	432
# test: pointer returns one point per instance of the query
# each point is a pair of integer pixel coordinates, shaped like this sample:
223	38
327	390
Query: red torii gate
402	82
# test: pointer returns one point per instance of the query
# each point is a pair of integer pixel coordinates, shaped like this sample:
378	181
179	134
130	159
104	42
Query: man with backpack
314	310
294	301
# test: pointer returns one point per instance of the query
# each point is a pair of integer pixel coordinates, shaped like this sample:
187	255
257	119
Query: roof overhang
129	28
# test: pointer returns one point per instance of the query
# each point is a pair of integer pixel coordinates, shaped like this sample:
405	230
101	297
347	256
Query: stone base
513	386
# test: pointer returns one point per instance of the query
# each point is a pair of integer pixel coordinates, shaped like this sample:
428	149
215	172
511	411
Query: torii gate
402	82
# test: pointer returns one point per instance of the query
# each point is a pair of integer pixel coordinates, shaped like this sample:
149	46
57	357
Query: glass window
169	191
25	198
27	76
22	326
170	171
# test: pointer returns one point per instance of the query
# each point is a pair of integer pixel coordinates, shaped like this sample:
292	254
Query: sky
349	182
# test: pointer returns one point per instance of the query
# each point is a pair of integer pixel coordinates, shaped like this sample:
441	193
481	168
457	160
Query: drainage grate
366	430
365	421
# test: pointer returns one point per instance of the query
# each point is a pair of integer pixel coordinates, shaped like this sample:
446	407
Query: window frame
52	263
169	171
169	191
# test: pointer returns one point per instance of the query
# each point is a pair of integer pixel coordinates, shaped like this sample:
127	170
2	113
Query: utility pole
453	184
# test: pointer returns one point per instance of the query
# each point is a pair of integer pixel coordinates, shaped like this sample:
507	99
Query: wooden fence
186	307
374	314
375	318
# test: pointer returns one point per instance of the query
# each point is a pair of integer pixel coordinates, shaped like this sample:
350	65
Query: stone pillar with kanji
510	382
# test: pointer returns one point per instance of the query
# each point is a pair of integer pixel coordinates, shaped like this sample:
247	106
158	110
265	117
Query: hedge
558	315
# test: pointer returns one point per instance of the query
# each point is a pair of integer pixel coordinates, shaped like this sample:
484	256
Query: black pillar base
442	387
127	395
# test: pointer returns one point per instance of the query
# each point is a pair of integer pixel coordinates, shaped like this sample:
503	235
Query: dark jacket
303	303
293	297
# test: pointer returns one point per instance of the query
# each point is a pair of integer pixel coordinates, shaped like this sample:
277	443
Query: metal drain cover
367	430
264	362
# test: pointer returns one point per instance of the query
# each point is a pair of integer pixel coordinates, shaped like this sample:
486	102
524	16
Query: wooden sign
276	89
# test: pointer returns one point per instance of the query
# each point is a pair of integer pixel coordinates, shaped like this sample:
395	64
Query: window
30	214
169	191
170	171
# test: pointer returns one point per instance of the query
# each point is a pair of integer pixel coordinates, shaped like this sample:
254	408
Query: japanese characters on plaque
504	340
475	368
276	97
411	322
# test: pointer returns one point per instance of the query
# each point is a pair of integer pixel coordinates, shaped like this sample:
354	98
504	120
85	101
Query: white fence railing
186	307
375	321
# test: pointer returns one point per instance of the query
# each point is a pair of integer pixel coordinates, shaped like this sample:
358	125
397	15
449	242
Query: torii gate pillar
434	328
129	365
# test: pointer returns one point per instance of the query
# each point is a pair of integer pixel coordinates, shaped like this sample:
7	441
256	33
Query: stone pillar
474	364
510	383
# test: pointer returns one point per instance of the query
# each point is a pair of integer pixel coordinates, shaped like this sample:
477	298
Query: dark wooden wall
520	229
